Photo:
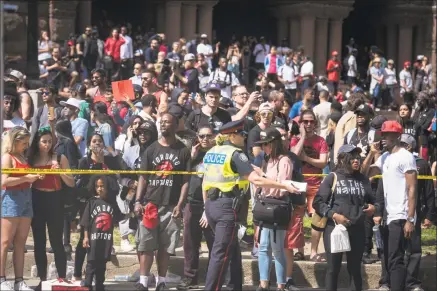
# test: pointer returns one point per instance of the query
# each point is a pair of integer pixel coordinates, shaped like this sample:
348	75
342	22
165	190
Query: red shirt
112	47
272	65
313	147
333	75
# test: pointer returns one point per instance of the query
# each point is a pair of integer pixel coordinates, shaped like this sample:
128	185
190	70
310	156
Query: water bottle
124	278
378	237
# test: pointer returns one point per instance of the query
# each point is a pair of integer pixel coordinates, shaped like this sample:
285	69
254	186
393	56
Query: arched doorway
244	17
361	23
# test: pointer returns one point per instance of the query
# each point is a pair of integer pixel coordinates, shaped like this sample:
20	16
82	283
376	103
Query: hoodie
351	192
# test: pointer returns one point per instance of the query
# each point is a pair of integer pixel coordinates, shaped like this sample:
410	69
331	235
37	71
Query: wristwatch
411	219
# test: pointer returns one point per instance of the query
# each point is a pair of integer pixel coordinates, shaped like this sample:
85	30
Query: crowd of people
198	108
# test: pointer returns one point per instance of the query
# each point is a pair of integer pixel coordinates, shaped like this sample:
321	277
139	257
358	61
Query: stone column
282	29
405	44
392	40
160	18
189	15
85	8
205	18
321	46
336	33
294	30
62	19
173	20
307	31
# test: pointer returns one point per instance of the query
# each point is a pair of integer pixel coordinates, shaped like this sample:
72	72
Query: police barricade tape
93	172
140	172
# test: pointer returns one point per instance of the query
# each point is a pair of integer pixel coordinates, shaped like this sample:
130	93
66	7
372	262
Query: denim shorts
17	203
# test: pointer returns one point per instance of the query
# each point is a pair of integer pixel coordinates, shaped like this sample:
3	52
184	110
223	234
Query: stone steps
306	274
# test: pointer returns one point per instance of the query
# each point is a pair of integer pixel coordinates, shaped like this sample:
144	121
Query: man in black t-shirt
164	193
210	114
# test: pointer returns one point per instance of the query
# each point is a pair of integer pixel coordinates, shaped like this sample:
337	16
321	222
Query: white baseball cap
204	36
72	102
189	57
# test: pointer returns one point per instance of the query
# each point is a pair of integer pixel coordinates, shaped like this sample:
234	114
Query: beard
166	133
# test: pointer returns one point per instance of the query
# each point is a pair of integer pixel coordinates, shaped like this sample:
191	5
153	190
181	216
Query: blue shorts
17	203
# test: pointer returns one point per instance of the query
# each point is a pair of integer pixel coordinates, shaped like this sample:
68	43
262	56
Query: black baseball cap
176	110
364	108
268	135
377	122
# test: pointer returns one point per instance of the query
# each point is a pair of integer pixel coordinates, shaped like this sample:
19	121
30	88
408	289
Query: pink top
272	65
276	172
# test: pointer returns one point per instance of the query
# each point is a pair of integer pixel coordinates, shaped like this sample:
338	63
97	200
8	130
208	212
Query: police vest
218	171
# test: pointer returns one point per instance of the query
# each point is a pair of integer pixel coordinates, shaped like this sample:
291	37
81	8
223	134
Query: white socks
159	280
144	280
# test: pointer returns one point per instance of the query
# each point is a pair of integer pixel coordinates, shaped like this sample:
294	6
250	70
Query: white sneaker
21	286
7	285
125	246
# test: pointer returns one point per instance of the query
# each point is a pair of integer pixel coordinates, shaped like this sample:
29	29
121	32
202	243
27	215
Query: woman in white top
390	84
44	46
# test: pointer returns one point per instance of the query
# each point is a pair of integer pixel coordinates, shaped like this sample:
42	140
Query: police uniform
225	166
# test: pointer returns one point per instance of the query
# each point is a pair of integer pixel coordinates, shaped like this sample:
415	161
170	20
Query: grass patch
429	240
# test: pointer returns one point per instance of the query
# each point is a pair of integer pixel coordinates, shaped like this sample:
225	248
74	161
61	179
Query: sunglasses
203	136
45	92
244	133
308	121
266	114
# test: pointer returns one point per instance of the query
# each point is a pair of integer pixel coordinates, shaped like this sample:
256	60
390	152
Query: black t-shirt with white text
98	219
165	189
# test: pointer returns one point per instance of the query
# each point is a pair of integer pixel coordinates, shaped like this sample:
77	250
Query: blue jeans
266	246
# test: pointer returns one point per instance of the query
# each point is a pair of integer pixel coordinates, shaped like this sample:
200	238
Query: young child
97	221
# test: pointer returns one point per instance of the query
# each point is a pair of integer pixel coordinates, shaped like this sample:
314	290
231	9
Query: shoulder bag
271	212
317	222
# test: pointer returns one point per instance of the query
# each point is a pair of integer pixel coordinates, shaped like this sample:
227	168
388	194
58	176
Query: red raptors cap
407	64
334	53
150	216
391	126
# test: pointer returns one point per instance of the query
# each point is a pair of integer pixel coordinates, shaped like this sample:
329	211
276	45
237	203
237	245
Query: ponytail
221	138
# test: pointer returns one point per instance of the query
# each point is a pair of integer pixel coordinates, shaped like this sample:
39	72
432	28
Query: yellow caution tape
139	172
93	172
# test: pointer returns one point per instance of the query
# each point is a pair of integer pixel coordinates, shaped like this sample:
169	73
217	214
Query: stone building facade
403	31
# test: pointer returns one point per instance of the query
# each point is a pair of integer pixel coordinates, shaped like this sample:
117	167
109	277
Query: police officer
226	179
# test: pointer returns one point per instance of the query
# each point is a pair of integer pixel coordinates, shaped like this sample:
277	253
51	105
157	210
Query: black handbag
68	193
271	212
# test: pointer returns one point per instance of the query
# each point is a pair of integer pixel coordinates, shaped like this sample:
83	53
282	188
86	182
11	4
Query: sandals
318	259
299	256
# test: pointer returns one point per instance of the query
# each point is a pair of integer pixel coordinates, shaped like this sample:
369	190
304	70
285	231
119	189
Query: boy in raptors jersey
97	221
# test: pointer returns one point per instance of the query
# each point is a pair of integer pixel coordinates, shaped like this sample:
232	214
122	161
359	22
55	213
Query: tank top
49	181
19	165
